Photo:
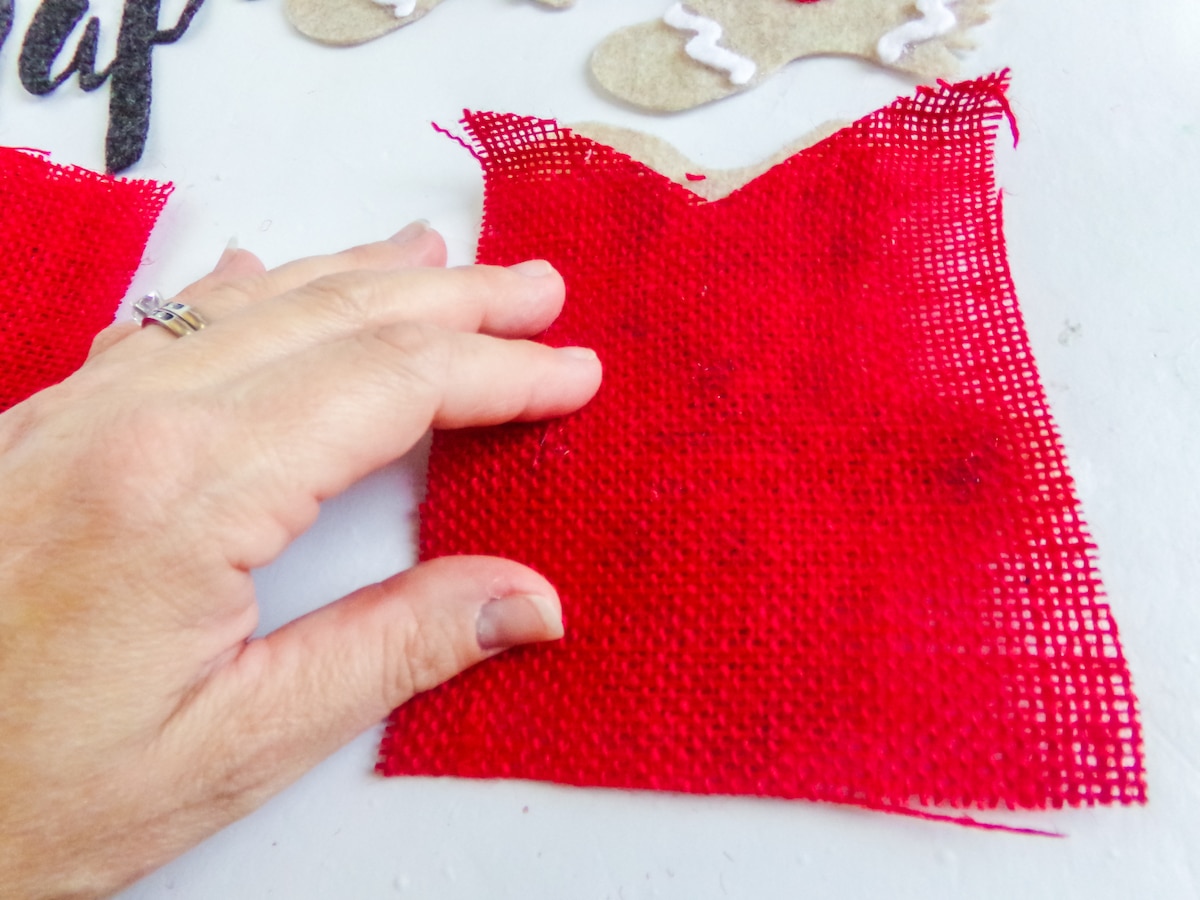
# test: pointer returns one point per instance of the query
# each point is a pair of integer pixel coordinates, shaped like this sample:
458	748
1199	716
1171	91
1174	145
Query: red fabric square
815	537
71	241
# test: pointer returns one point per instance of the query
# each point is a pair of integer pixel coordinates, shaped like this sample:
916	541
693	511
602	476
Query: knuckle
399	682
223	297
366	256
419	656
142	452
344	296
414	350
235	294
480	281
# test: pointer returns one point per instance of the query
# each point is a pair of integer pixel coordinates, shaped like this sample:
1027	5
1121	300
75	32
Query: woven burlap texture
72	241
815	537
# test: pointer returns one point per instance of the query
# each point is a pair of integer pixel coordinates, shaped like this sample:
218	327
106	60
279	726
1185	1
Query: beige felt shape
659	156
346	22
647	64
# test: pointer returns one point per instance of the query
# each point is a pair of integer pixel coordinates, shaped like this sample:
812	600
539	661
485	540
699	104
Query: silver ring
178	318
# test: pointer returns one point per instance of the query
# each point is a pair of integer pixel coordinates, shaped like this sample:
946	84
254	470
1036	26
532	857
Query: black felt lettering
129	105
130	72
6	20
48	32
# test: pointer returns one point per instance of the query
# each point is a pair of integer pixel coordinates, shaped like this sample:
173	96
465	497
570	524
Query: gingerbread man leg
347	22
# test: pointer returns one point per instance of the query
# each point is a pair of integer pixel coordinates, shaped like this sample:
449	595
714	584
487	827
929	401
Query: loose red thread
966	822
993	87
454	137
815	537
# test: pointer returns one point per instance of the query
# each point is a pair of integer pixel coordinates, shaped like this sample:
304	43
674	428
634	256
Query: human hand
137	715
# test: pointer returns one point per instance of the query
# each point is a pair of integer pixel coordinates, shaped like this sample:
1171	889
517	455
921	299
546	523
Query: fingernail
227	254
582	353
533	268
410	232
517	619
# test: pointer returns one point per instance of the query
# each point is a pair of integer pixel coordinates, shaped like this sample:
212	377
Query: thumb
352	662
293	697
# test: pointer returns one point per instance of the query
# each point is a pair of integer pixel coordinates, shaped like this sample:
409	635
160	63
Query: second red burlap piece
70	241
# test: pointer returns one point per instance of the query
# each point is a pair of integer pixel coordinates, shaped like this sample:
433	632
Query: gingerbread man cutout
347	22
708	49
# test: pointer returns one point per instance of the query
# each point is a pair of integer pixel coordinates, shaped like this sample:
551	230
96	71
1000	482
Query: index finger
323	419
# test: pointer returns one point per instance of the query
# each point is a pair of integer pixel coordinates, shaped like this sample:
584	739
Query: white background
296	148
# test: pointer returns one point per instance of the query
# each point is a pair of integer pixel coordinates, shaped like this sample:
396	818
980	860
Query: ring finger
239	279
514	301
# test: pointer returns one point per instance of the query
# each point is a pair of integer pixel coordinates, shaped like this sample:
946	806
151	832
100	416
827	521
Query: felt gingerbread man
347	22
708	49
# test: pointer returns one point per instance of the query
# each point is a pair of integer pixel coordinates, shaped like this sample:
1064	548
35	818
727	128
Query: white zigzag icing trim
703	47
402	8
936	19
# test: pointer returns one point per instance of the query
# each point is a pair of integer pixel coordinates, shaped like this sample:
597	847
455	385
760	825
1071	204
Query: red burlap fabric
71	241
815	537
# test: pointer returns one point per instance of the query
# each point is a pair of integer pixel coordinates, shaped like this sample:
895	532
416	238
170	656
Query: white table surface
296	148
